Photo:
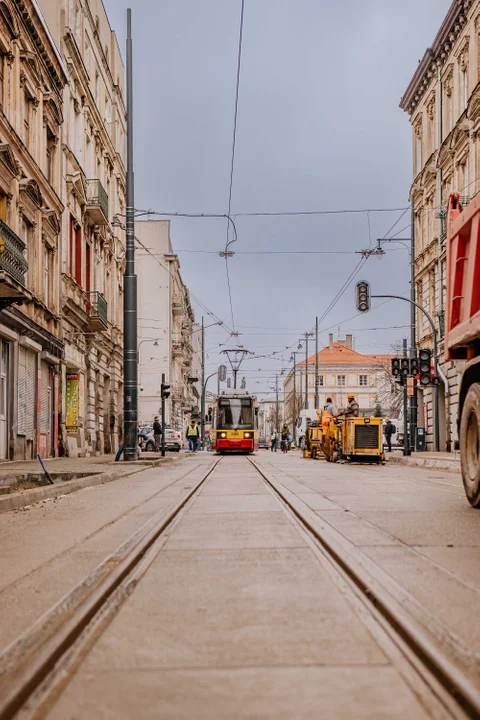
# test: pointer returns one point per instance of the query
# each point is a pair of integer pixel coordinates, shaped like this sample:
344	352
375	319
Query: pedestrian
284	441
388	431
192	436
157	433
274	439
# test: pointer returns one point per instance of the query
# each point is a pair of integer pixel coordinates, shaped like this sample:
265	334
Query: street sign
222	373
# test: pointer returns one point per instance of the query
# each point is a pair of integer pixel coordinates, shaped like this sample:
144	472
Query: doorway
4	363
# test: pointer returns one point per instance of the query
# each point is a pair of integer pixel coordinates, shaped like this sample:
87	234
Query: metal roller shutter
45	404
26	393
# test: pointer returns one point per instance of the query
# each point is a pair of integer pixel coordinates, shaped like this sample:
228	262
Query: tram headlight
247	435
223	435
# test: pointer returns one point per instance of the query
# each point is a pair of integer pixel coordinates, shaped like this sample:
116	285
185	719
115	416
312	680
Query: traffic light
165	391
414	367
405	368
396	369
210	414
425	362
363	296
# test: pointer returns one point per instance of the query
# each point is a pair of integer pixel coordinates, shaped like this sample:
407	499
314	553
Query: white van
305	417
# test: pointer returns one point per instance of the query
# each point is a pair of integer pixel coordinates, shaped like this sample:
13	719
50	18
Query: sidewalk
439	461
23	483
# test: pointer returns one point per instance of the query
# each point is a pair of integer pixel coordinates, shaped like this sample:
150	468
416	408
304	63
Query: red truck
463	331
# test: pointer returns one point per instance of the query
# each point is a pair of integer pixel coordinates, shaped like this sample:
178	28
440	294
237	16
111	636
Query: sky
318	129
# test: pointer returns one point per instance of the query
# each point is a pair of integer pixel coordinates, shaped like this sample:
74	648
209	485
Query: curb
17	501
429	463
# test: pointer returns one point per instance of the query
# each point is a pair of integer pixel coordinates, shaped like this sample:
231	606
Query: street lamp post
203	385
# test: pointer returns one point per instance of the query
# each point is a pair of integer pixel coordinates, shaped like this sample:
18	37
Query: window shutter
30	396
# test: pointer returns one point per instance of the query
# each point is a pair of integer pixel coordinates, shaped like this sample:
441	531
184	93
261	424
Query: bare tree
390	393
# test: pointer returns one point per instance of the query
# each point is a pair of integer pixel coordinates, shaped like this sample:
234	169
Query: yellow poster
72	403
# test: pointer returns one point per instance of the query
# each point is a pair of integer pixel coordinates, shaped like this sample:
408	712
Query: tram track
368	579
29	661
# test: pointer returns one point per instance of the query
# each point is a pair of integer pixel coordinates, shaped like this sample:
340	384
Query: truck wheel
470	444
302	444
335	456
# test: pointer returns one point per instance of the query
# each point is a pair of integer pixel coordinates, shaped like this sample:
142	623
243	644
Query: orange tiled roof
341	355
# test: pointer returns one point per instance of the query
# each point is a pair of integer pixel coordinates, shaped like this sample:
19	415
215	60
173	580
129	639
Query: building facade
342	371
32	80
166	331
93	244
443	104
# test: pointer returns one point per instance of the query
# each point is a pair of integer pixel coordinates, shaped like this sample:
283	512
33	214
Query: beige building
443	103
342	371
166	332
92	190
32	78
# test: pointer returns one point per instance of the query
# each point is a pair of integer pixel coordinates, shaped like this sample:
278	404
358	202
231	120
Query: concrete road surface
238	614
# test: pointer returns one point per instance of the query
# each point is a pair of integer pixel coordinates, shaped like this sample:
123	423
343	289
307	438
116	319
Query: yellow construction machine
315	435
354	439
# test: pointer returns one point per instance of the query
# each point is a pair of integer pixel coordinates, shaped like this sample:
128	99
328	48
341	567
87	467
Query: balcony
97	311
177	349
13	268
177	305
97	203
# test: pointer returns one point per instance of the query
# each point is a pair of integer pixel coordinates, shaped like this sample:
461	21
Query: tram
235	423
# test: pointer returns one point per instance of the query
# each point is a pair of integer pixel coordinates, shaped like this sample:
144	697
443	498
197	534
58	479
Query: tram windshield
235	413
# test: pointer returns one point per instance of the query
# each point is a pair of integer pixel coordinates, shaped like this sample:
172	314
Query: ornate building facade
32	79
443	104
92	253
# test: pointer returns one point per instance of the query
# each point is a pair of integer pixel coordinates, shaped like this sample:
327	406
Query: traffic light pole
163	416
435	362
130	354
406	439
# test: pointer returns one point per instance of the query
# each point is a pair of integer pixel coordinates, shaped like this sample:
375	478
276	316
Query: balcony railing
177	304
97	309
97	202
13	259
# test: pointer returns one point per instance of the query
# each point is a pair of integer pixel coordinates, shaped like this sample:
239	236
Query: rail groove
452	679
18	686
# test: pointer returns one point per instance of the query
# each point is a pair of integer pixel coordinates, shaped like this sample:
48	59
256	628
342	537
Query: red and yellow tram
235	423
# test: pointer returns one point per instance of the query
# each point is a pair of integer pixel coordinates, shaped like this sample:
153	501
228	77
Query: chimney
349	342
330	342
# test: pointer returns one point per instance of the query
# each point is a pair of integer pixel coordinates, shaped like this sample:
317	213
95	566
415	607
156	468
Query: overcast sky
319	128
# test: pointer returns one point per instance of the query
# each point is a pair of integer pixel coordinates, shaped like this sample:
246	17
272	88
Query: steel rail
19	685
452	679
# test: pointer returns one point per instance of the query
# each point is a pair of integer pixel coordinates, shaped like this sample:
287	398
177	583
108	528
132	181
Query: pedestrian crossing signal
165	391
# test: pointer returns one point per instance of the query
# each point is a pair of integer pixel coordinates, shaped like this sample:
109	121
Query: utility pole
130	355
163	415
406	441
202	401
306	336
276	407
413	336
317	399
294	414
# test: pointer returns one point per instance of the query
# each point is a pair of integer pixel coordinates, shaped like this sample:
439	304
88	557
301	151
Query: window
3	207
321	380
463	86
50	160
27	107
47	275
26	230
363	380
2	78
341	380
78	255
97	90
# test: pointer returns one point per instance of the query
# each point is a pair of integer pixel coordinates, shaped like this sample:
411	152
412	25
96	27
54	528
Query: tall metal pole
413	334
406	441
130	356
202	400
276	410
306	371
317	398
164	424
294	414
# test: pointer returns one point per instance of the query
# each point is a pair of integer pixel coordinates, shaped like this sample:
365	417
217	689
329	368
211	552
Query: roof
341	355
